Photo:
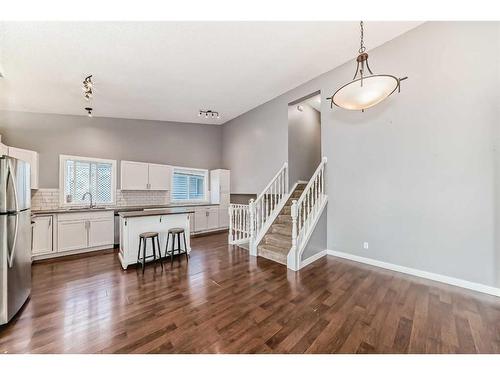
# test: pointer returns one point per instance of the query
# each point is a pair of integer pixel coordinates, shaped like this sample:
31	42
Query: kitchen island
133	223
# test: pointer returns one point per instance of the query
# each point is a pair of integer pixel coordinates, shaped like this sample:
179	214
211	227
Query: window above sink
80	175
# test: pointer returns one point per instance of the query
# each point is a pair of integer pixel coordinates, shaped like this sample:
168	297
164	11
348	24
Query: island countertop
156	212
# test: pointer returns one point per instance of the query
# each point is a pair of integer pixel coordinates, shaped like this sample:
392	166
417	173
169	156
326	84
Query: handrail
250	222
305	211
266	207
284	167
313	178
239	223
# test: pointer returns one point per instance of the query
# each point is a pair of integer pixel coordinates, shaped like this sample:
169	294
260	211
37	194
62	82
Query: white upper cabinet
134	175
220	186
4	150
30	157
144	176
159	177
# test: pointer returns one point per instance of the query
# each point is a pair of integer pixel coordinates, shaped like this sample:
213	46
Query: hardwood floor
224	301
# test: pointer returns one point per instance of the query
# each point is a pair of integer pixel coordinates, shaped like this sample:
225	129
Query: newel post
251	224
230	235
292	261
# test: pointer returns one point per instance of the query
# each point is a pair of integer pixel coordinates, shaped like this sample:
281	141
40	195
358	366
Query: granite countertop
157	212
118	209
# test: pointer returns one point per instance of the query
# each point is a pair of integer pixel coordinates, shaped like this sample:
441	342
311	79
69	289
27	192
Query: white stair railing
239	224
305	212
267	206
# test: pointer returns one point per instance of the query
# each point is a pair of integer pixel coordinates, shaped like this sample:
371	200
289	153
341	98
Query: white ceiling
170	70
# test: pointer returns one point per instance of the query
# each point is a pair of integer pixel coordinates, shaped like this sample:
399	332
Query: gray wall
255	146
242	198
304	142
190	145
318	240
417	176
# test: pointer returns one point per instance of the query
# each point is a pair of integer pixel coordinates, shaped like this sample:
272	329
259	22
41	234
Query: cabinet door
223	217
200	219
30	157
42	235
212	218
101	232
134	175
159	177
72	235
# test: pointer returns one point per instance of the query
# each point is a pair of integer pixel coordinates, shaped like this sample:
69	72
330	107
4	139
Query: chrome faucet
91	199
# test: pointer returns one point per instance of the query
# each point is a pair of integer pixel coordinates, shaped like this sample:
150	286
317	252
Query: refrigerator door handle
14	187
10	255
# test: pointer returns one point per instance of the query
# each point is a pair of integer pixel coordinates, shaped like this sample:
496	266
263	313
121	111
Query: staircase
277	242
278	224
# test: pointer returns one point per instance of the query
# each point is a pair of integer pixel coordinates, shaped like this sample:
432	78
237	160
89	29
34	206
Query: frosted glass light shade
375	88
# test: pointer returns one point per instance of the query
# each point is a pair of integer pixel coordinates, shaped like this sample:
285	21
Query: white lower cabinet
223	217
200	219
209	218
212	218
72	235
85	231
101	232
42	235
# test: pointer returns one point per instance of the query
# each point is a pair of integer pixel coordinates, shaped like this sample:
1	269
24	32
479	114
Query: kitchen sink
85	208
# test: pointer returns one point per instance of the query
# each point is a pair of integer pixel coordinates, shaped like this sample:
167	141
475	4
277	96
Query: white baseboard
415	272
71	252
313	258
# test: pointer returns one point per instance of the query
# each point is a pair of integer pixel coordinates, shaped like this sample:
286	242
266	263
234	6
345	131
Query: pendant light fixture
365	91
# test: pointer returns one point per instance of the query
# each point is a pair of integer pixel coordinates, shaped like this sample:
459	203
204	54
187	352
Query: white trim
306	237
313	258
415	272
63	158
55	254
198	172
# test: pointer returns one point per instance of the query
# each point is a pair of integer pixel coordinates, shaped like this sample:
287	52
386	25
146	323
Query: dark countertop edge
118	209
158	212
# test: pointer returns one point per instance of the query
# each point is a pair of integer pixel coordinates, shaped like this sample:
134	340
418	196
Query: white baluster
251	209
230	213
272	197
294	224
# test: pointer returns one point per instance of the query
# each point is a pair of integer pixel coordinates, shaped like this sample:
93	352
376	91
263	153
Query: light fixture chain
362	48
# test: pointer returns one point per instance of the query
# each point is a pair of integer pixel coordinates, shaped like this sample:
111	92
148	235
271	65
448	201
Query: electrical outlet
365	245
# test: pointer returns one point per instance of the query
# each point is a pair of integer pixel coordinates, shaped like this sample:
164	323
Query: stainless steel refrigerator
15	236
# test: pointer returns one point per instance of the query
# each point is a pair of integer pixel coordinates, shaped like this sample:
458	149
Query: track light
88	86
209	113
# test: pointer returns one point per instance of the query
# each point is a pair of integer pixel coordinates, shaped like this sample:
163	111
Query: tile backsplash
48	199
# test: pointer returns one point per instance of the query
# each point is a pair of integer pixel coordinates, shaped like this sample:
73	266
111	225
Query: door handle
10	255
